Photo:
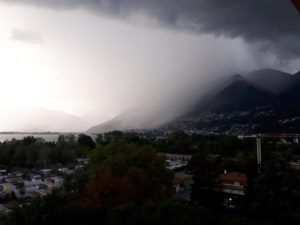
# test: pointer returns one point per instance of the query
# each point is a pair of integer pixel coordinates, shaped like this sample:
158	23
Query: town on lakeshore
216	170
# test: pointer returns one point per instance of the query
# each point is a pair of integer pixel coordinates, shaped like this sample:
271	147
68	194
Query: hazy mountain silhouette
240	95
263	99
134	119
37	119
291	97
273	81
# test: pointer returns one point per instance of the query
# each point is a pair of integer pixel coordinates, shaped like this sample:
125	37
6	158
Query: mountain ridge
245	104
274	81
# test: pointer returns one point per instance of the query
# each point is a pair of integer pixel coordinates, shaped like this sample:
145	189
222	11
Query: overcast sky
102	57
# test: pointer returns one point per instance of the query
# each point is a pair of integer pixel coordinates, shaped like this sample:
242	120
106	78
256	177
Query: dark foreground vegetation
126	181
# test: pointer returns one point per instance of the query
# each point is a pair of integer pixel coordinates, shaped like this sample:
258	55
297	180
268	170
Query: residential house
54	183
172	156
233	185
8	189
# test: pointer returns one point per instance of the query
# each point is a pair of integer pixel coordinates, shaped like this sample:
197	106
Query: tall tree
124	172
204	173
86	141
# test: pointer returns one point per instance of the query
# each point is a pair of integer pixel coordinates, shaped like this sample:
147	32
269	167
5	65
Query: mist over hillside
257	93
236	103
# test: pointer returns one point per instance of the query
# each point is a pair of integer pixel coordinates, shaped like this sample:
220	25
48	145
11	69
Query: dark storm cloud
26	36
272	25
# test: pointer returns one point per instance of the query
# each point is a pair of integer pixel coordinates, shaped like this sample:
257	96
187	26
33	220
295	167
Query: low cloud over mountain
237	106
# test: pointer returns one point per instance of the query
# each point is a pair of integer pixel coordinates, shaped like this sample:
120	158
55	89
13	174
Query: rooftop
233	177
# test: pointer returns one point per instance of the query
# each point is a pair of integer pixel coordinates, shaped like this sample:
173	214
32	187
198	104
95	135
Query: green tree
86	141
204	173
276	194
100	140
32	153
179	141
135	168
29	140
19	157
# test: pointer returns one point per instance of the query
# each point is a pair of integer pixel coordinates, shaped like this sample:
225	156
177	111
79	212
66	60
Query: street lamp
230	202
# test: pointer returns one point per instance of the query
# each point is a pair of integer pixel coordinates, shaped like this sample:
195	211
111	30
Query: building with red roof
233	183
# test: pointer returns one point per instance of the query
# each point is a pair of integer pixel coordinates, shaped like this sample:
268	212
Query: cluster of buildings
18	185
231	184
182	182
176	161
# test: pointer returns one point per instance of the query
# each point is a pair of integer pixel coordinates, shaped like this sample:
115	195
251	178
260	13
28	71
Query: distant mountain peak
237	77
239	95
274	81
267	70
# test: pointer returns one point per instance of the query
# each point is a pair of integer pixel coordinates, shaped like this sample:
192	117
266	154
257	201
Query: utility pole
258	138
258	153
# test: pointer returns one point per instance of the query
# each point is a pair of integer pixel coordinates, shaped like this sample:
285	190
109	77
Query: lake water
47	137
19	136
